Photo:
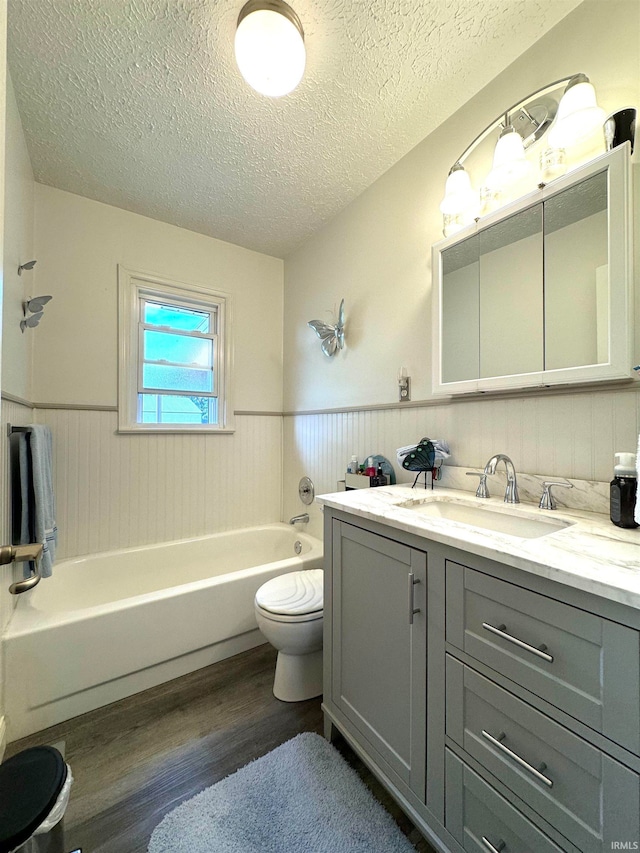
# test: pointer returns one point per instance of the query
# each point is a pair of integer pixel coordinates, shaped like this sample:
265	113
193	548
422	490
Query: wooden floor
135	760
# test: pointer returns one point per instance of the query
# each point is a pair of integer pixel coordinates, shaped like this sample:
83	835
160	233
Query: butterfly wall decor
332	337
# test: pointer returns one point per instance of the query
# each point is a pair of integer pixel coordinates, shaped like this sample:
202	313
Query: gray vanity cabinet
379	648
578	661
505	716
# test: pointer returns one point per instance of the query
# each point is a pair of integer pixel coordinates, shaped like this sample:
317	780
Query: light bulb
269	48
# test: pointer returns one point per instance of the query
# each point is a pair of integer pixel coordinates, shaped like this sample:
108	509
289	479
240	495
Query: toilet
289	612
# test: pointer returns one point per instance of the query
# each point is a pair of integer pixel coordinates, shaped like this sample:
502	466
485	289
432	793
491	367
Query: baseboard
3	737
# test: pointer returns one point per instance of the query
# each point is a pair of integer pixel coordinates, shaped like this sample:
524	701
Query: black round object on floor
30	783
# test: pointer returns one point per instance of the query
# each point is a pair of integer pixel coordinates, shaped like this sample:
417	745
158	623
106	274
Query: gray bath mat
301	798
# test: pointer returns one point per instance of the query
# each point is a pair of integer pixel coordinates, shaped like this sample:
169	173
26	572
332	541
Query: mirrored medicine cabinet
540	292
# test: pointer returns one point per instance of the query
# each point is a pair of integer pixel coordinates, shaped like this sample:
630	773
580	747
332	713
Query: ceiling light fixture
269	47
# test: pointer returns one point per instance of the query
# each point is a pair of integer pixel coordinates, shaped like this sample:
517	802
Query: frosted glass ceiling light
269	47
578	114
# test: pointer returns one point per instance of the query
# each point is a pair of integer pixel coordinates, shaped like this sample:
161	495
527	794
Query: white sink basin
513	522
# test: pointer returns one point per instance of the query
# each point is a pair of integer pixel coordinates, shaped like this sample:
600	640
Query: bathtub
109	625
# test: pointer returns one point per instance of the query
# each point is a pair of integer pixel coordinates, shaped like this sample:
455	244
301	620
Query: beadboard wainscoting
558	434
117	491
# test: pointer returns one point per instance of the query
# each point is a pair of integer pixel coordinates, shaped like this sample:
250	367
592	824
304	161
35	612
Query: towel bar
11	429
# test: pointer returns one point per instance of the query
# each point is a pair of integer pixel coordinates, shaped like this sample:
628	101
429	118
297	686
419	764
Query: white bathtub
112	624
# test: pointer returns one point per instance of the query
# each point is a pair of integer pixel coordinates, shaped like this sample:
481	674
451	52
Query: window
174	356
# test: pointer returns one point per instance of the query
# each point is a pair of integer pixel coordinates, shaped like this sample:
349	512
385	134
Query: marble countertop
590	553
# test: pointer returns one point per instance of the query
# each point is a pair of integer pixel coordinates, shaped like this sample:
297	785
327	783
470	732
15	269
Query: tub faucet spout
303	518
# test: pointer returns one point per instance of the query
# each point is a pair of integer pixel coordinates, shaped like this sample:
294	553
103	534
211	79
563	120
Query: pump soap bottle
623	489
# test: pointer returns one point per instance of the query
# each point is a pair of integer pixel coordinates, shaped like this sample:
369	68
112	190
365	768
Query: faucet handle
483	490
547	501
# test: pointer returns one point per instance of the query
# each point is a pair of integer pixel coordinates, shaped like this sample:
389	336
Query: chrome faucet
303	518
511	492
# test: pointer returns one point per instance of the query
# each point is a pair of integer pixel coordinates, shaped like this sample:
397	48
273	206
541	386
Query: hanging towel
636	514
37	502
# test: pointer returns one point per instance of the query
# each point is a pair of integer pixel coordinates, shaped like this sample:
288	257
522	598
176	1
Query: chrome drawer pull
412	609
498	743
502	632
489	845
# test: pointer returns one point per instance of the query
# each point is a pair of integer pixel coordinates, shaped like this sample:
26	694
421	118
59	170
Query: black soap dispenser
622	490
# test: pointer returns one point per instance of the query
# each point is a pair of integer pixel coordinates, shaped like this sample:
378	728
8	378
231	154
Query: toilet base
298	677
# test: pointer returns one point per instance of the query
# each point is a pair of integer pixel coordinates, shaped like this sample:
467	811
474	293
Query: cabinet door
379	646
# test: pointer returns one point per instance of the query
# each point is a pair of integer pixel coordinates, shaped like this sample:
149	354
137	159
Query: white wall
80	244
18	248
376	254
4	572
114	490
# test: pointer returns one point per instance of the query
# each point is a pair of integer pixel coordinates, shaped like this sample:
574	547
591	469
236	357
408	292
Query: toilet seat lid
293	594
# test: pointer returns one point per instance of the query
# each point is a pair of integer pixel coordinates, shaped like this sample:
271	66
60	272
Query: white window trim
132	284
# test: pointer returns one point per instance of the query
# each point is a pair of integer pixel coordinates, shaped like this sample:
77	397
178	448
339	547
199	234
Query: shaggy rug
301	798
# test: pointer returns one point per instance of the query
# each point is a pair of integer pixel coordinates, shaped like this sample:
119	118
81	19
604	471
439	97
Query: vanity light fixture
269	47
567	108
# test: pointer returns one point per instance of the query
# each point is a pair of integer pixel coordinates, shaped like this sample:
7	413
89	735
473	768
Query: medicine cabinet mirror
540	292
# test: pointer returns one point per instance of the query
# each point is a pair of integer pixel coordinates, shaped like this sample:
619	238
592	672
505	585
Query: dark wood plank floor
135	760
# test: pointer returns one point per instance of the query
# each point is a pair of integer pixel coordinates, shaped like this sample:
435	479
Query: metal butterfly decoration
332	337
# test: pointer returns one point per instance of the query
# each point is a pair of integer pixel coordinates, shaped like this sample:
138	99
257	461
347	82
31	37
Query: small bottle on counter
622	490
352	467
381	480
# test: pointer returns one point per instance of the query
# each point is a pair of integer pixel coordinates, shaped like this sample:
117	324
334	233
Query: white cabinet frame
620	261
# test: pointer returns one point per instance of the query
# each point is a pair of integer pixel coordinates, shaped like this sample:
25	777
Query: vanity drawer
582	663
589	797
477	816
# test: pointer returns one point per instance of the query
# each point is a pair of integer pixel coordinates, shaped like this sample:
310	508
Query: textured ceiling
138	103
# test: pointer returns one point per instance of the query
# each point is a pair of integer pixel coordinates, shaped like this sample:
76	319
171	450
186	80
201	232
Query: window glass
175	317
178	349
165	408
171	378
